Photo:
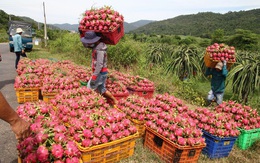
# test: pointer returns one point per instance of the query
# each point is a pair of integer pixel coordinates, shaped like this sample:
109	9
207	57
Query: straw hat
19	30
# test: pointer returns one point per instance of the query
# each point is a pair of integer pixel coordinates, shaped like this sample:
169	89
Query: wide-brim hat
19	30
219	65
90	37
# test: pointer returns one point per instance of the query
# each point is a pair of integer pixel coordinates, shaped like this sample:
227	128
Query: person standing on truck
99	64
18	46
219	74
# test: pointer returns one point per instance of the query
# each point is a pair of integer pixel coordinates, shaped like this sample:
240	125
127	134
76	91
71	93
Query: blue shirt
218	79
17	41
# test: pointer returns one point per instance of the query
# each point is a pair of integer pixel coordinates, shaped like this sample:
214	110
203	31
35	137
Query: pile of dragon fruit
80	117
66	75
101	19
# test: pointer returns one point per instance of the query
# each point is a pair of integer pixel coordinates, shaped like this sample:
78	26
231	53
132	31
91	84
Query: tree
185	62
244	40
245	76
217	36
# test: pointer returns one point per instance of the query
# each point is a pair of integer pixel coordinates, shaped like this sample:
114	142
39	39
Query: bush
69	45
123	54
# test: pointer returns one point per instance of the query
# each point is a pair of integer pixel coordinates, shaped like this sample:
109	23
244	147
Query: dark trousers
18	54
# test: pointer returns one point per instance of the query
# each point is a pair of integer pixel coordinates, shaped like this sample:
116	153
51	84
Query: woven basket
212	64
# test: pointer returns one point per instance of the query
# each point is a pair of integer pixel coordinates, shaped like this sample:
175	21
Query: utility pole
45	28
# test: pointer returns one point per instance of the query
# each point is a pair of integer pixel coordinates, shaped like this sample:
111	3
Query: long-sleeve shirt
218	79
17	41
99	60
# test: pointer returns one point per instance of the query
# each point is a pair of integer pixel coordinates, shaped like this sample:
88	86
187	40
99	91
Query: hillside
127	26
205	23
201	24
4	18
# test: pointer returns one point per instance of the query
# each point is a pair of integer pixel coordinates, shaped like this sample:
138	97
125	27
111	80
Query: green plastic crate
247	138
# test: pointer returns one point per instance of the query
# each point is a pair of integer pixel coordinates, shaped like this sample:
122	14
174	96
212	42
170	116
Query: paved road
8	152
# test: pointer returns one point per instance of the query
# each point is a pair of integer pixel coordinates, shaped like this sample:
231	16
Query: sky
70	11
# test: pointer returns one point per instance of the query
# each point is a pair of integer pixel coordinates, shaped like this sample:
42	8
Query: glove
92	83
225	62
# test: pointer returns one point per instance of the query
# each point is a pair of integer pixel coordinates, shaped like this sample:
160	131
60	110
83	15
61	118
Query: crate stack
135	108
28	81
108	136
137	85
169	151
219	130
174	140
170	132
248	122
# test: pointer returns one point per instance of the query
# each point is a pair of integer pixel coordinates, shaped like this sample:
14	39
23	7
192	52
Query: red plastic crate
141	93
118	97
111	37
169	151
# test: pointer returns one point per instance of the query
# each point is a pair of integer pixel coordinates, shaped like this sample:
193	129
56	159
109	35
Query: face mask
91	45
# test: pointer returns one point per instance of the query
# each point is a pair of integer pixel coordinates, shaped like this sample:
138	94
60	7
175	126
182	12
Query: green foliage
158	53
3	36
186	92
186	41
204	43
245	76
184	62
4	19
69	45
125	52
204	23
55	34
130	56
217	36
244	40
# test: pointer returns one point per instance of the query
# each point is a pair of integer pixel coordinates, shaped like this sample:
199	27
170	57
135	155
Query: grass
144	155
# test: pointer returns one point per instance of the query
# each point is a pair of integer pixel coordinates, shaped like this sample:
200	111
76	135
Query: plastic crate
27	94
48	96
247	138
217	147
110	152
169	151
141	93
111	37
212	64
140	125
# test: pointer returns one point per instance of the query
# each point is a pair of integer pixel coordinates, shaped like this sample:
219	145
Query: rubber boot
108	95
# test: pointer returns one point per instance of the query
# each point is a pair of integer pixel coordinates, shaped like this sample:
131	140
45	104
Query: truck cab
27	35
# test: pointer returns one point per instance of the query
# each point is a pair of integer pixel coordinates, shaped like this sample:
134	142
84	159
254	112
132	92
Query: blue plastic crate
217	147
